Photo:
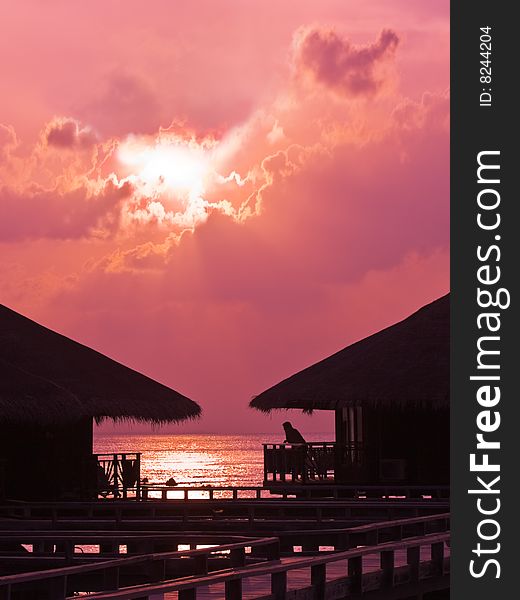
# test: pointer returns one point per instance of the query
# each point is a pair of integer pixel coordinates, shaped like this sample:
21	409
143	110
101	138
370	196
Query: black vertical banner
485	243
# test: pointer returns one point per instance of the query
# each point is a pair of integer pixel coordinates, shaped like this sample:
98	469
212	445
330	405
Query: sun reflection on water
196	459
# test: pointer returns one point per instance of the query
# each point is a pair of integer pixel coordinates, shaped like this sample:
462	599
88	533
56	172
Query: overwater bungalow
390	395
52	390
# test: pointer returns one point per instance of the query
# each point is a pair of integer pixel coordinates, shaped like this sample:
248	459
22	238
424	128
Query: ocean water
198	459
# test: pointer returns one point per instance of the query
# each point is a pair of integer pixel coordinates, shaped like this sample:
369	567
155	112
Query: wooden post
111	578
138	482
413	557
387	562
372	537
5	592
39	547
108	548
437	555
279	585
116	475
157	570
190	594
58	588
318	581
201	564
273	551
233	589
355	573
340	443
310	545
343	542
238	557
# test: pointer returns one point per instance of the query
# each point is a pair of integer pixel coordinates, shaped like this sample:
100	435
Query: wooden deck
407	555
300	579
205	515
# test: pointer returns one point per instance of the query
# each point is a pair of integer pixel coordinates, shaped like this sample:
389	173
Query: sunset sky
218	193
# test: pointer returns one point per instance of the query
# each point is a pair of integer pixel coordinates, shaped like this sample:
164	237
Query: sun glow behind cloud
171	176
178	167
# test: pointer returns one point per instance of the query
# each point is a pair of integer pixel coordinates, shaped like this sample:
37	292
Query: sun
167	166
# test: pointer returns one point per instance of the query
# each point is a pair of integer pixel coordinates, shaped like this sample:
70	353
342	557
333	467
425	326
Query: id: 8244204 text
485	66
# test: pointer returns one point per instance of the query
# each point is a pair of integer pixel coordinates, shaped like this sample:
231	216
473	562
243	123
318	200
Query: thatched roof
405	365
21	396
48	378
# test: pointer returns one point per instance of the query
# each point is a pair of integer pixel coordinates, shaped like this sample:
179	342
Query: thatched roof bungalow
390	393
51	390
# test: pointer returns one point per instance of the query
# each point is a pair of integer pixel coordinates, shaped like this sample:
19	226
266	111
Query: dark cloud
334	62
38	213
67	133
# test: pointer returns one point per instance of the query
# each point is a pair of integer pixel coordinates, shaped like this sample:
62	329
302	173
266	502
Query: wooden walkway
418	573
407	555
300	579
260	517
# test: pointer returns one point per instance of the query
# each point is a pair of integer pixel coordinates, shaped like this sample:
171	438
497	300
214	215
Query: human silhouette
295	438
292	435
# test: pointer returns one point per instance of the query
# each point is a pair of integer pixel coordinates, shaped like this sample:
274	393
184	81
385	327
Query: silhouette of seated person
292	435
295	438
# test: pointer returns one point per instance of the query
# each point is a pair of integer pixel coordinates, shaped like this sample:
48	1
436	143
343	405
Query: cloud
321	218
63	132
8	141
332	61
432	110
36	213
127	104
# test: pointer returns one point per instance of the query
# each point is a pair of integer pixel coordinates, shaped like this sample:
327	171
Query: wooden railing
312	461
413	578
56	584
151	491
66	545
386	540
371	534
217	515
117	475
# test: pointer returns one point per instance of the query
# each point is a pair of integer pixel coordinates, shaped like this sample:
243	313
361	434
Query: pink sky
219	194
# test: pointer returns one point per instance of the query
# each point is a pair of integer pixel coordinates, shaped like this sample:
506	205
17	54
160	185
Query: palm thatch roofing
49	378
403	366
26	397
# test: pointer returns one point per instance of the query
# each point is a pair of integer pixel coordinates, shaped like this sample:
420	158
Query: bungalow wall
398	446
46	463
